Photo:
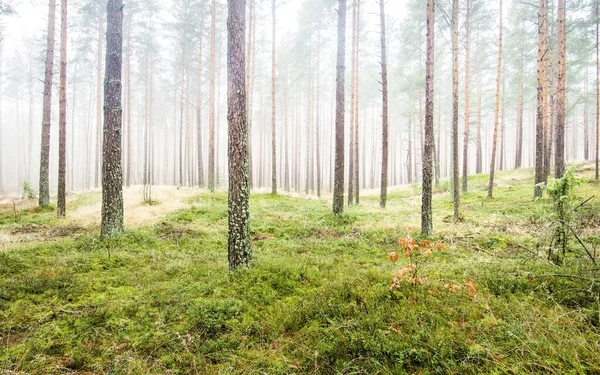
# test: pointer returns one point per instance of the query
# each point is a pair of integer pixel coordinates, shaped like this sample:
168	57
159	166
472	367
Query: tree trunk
112	176
44	198
239	243
286	132
99	100
128	103
465	160
338	189
62	120
384	116
502	125
520	110
357	109
597	91
559	163
273	105
497	110
426	209
409	156
586	130
478	146
199	109
211	104
455	171
352	103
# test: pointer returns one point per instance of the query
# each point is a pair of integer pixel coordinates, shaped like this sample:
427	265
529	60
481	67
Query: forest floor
317	299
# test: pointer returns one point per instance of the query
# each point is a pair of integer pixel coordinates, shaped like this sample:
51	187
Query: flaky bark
112	174
44	198
426	209
384	116
338	192
497	110
62	116
559	160
239	243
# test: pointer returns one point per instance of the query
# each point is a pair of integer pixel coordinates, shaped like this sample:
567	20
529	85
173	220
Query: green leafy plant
28	192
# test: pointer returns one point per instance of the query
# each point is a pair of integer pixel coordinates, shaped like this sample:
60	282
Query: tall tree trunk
559	170
317	116
502	125
497	110
199	109
384	116
338	189
520	110
211	104
597	91
62	120
586	130
273	104
99	100
409	156
478	145
357	109
352	103
455	171
465	160
286	165
44	198
426	209
239	243
112	176
128	103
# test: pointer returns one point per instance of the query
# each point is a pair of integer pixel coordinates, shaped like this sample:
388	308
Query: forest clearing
317	298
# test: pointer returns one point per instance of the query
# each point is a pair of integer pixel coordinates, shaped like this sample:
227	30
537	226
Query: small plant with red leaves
416	252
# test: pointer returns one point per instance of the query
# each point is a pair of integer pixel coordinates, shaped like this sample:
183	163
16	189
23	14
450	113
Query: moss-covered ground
317	298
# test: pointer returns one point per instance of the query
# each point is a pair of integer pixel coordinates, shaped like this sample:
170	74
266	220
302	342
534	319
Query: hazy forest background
299	186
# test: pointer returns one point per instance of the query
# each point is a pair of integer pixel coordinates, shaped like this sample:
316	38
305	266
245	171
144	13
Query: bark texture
384	116
44	194
455	172
426	209
61	206
338	189
465	171
497	110
112	174
559	160
239	243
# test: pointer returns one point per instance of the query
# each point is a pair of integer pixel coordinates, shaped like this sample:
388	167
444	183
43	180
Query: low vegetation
359	293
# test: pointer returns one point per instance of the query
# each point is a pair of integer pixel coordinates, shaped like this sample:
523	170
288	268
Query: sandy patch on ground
168	199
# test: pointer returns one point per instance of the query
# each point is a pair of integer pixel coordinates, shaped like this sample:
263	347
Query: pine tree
112	174
44	196
497	110
385	123
239	243
62	121
338	192
426	209
559	161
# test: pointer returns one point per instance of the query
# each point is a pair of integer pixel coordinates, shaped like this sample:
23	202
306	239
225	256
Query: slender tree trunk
72	148
465	160
286	166
384	116
211	118
597	91
497	110
426	209
520	110
62	121
112	176
352	103
338	190
561	93
409	156
455	170
128	103
502	125
199	109
478	145
317	116
99	100
273	104
44	198
357	108
586	130
239	243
